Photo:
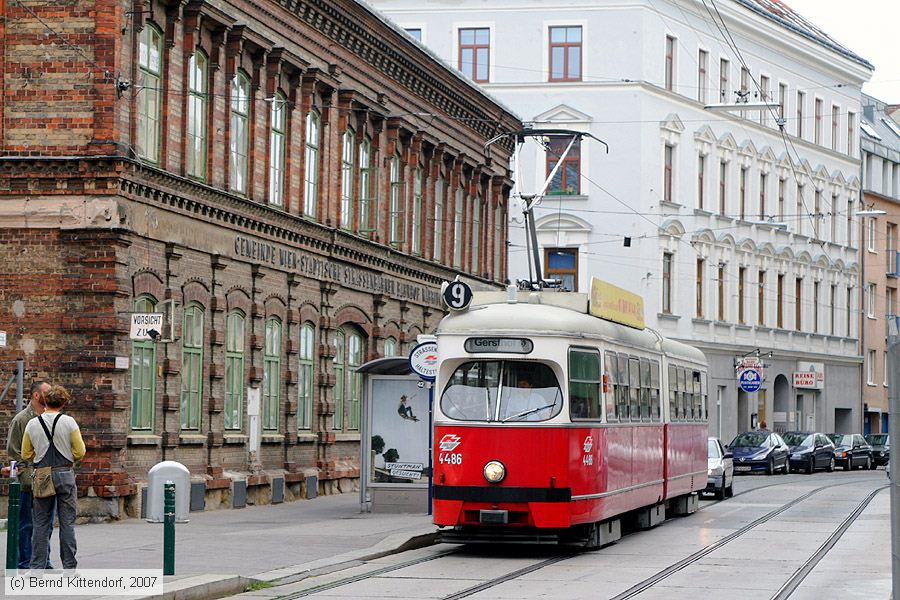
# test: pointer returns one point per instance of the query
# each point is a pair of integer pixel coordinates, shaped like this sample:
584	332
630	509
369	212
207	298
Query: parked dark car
759	451
809	451
719	469
851	450
881	448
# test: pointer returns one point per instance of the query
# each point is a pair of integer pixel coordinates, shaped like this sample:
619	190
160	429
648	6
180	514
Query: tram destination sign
500	345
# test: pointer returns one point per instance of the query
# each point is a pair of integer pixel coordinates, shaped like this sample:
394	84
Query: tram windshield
502	390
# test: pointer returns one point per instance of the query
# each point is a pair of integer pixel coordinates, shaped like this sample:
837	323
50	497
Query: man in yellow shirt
54	440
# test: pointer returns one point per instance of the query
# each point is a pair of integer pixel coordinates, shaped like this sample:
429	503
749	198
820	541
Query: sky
867	27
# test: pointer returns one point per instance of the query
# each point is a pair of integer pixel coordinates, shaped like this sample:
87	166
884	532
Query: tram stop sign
750	380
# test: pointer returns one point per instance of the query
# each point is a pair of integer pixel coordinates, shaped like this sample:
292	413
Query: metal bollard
12	526
169	529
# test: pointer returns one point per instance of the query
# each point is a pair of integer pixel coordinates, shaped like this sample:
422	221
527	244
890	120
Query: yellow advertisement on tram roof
615	304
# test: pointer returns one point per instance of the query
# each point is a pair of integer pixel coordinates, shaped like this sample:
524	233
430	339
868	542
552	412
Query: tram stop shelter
394	467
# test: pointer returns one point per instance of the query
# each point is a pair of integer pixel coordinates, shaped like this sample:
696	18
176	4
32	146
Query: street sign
146	326
749	380
423	360
457	295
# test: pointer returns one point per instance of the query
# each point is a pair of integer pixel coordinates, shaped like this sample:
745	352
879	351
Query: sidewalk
228	547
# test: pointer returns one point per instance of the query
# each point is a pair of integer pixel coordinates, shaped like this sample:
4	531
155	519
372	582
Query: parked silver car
720	470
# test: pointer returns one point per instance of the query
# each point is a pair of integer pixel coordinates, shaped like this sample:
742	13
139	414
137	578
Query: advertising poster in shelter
399	431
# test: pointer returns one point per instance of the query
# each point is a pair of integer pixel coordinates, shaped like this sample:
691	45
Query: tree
377	444
391	455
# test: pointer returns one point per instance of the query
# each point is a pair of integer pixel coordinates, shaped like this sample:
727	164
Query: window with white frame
416	217
565	53
702	75
240	133
271	385
437	252
311	189
724	72
150	93
364	161
670	63
458	228
143	374
277	138
197	114
667	260
398	210
474	53
476	234
305	371
498	241
234	370
870	238
871	289
870	367
701	181
668	172
347	161
191	366
391	347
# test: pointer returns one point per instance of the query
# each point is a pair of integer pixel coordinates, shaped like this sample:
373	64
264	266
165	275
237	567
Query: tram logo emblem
588	444
449	442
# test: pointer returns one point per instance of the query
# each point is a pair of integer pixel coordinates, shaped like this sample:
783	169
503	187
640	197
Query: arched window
349	355
191	366
312	163
347	179
366	225
278	127
305	376
240	132
149	92
391	347
398	210
271	375
234	370
143	374
197	113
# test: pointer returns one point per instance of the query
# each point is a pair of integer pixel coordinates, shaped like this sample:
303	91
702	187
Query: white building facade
741	239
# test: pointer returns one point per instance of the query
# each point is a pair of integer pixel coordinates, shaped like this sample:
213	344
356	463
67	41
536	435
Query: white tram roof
558	314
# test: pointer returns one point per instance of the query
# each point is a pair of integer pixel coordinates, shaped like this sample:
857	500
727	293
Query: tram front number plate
494	517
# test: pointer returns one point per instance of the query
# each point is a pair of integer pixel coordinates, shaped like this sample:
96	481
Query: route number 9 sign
457	295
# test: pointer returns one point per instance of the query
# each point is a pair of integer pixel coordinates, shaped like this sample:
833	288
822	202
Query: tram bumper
502	506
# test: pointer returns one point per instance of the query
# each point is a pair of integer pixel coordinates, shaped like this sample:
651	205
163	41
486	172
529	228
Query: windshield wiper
528	412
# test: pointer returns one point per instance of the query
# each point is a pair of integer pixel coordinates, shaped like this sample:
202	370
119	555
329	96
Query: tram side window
679	396
622	389
698	397
634	388
705	393
673	392
654	391
610	370
645	389
584	384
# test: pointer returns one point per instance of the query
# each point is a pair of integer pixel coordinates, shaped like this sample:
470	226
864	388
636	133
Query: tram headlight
494	471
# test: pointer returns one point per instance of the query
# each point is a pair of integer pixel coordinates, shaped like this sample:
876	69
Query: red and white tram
551	423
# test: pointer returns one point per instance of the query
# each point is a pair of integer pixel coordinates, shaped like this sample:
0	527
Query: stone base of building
230	491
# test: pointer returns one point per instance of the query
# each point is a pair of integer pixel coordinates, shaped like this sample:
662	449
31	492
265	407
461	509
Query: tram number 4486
450	458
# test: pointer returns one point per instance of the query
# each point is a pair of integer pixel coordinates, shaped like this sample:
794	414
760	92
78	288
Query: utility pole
893	346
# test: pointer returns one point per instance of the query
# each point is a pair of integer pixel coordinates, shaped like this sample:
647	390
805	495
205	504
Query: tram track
696	556
783	593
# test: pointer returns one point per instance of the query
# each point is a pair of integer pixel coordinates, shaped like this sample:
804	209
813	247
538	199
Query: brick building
289	180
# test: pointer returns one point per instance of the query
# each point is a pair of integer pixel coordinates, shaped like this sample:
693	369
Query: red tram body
551	423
